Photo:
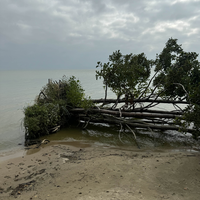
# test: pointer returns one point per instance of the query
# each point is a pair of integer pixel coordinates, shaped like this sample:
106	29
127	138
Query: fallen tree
175	82
175	86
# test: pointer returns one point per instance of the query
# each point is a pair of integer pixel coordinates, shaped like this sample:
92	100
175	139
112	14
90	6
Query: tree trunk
124	114
139	101
135	125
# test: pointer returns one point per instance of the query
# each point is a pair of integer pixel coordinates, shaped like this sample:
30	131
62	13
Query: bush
40	119
52	105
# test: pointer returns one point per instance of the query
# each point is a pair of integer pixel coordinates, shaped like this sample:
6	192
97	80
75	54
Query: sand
62	171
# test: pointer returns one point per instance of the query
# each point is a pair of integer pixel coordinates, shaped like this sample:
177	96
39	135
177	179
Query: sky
76	34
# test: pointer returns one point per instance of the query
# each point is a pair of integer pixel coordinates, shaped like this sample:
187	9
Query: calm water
19	89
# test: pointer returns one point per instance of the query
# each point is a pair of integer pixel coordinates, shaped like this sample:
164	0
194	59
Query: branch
183	89
124	114
139	100
138	125
148	85
134	136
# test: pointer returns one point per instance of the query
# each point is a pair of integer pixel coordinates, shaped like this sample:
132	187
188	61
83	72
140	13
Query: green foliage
74	93
192	117
52	106
178	71
179	76
125	73
39	119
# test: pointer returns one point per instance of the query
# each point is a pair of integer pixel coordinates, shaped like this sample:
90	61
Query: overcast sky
67	34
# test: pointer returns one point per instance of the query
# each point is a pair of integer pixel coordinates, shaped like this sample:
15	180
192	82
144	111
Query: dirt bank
60	171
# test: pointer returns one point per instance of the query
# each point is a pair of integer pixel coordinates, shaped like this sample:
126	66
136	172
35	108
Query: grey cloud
78	33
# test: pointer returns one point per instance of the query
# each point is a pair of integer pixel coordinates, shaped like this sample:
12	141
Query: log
123	113
153	111
135	125
138	101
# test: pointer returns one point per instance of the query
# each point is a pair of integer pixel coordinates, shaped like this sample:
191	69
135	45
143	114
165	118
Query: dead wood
139	101
135	125
124	113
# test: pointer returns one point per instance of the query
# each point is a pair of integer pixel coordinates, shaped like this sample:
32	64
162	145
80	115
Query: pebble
65	160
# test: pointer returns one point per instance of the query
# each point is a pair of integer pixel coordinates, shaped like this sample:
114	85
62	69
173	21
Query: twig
179	108
120	134
134	136
148	85
120	113
183	89
86	124
54	129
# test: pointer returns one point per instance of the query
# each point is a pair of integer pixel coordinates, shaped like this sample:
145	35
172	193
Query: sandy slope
60	171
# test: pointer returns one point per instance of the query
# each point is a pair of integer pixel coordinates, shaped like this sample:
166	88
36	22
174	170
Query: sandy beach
62	171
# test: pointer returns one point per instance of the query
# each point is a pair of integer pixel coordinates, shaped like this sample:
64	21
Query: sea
19	88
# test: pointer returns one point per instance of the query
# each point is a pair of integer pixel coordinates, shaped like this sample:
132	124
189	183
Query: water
19	89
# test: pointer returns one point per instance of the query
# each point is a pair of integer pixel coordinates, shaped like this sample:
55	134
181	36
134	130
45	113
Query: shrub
52	106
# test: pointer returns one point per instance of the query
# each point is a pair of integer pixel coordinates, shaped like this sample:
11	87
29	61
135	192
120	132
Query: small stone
65	160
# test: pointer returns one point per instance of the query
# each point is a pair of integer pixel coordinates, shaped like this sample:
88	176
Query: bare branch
134	136
148	85
183	89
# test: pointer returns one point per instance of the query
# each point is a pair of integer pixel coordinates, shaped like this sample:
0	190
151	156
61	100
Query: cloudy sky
67	34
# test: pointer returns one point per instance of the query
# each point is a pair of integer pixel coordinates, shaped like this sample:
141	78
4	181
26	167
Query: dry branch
139	101
124	113
136	125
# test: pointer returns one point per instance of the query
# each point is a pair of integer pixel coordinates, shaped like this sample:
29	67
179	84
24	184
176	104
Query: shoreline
12	153
63	171
23	151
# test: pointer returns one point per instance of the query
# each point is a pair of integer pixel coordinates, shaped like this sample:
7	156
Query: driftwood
34	144
133	114
135	124
125	114
145	100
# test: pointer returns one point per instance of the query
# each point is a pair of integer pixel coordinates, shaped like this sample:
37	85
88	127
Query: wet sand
62	171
